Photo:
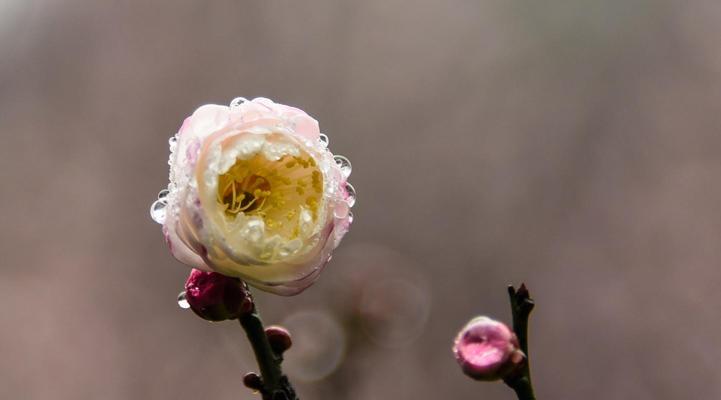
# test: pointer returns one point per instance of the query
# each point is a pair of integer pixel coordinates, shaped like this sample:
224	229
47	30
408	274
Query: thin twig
275	385
521	306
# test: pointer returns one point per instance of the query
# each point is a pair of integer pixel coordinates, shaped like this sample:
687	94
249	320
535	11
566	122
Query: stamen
233	201
275	191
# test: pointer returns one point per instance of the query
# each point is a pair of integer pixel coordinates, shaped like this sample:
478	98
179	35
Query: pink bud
487	350
216	297
279	338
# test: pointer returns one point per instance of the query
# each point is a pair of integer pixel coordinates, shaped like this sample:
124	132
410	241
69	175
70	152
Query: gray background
571	145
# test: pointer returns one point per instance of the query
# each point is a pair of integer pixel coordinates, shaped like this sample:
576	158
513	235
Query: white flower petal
256	195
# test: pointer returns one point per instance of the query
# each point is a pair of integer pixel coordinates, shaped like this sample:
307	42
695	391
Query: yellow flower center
284	193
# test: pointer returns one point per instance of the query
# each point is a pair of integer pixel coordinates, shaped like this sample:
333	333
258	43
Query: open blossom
487	350
255	194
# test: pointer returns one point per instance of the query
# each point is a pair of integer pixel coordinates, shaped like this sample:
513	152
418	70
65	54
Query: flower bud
487	350
253	381
216	297
279	338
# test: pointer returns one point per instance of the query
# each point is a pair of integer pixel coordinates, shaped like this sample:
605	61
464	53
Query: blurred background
571	145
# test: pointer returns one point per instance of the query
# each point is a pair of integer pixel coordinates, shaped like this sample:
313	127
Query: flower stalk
521	306
275	385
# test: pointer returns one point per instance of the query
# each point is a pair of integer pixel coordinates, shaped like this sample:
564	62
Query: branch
275	385
521	306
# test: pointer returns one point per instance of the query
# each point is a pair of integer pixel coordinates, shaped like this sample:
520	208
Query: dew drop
157	211
183	301
344	165
350	192
173	144
341	210
237	101
323	139
350	217
163	194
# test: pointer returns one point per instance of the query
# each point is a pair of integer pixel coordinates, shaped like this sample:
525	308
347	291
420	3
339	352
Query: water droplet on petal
341	210
163	194
173	143
350	192
157	211
237	101
323	139
344	165
183	301
350	217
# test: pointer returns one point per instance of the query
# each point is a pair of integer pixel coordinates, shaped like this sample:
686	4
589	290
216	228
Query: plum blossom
255	194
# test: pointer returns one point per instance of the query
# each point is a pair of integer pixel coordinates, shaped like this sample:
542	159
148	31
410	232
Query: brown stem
521	306
275	384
